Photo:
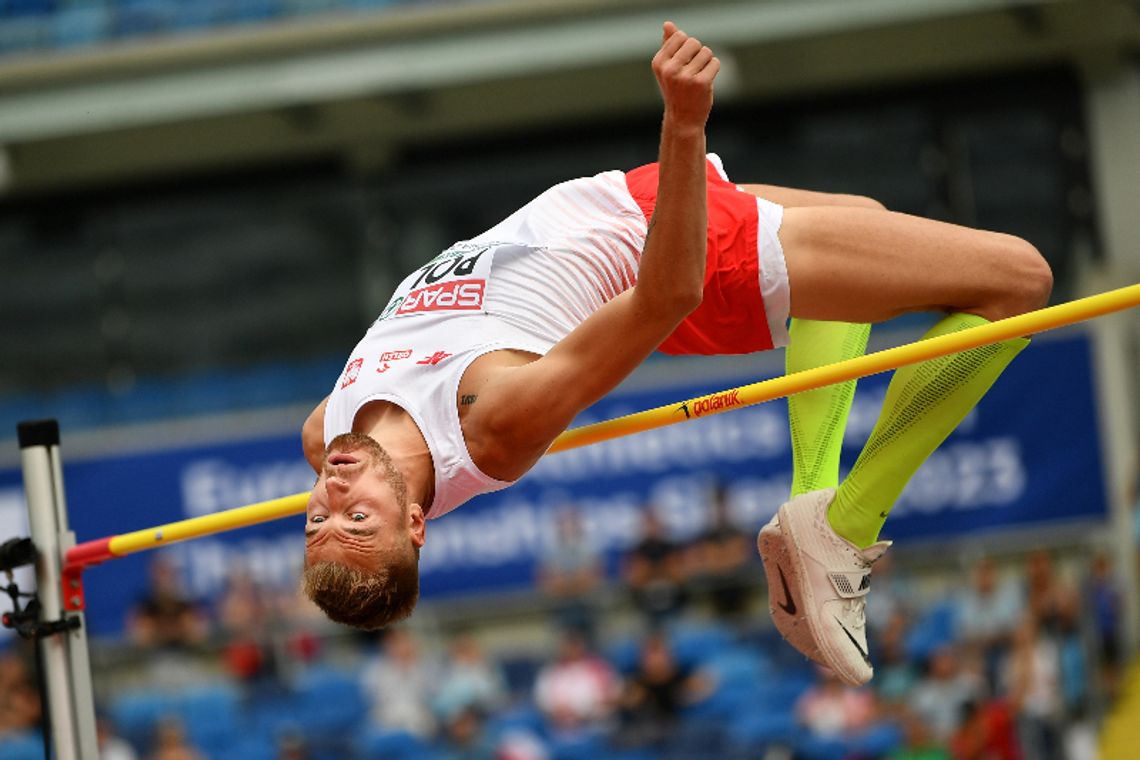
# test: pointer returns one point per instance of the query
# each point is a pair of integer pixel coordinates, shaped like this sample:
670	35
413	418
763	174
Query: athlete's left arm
313	437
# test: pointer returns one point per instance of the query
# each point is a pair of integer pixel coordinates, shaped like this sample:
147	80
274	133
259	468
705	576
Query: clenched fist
685	70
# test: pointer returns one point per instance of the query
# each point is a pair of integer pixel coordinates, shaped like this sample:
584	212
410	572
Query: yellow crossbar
218	522
881	361
747	395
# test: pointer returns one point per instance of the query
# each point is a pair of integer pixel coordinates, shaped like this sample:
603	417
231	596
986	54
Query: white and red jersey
527	282
524	284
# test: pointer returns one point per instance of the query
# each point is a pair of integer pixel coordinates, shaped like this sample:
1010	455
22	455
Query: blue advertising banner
1029	454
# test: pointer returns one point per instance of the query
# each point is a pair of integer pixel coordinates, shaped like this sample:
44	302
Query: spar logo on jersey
457	295
709	404
351	372
455	280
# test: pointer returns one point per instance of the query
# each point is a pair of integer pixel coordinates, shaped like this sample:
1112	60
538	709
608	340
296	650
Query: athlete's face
354	516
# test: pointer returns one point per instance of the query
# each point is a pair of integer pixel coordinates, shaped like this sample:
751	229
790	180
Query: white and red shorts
746	297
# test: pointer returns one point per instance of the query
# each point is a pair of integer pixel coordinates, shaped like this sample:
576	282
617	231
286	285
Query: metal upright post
69	698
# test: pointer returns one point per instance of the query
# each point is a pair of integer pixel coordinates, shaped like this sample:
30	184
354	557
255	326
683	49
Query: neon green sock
818	418
923	405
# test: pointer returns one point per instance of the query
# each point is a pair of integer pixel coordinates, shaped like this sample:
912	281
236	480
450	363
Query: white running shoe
817	585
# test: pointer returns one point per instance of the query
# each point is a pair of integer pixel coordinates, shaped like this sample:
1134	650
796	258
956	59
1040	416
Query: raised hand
685	70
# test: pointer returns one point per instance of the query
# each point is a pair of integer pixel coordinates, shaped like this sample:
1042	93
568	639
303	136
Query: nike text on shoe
787	613
829	578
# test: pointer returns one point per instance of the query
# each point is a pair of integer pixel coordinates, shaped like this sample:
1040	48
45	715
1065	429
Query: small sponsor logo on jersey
391	356
714	403
351	372
457	295
435	358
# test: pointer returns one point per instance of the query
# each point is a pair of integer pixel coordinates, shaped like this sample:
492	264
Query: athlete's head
362	537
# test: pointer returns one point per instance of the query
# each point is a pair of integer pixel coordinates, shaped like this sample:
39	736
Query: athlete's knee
1028	280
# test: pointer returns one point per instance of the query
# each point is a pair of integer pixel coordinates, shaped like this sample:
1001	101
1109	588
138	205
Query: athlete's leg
868	264
817	419
856	263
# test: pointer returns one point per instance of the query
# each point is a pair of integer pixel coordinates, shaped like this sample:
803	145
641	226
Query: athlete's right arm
524	408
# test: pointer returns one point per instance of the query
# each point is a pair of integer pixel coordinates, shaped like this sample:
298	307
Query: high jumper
484	355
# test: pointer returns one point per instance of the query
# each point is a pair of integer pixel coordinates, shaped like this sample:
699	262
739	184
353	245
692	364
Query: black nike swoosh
862	651
790	606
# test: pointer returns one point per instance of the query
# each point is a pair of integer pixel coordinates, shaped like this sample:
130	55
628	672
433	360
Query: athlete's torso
521	286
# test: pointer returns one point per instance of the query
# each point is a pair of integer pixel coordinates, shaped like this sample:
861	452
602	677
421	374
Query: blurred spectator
987	614
941	696
170	742
1034	684
400	685
918	744
1104	598
244	618
19	697
292	746
831	709
578	691
470	681
166	618
892	597
1051	601
987	732
570	572
655	572
720	561
895	674
112	746
464	738
654	694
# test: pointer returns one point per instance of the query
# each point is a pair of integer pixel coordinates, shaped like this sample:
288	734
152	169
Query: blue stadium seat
588	746
696	738
935	628
253	10
81	25
520	674
136	713
21	746
738	666
879	740
694	644
393	745
249	748
212	716
20	34
29	7
624	654
525	718
330	702
632	754
757	730
137	18
273	718
722	704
